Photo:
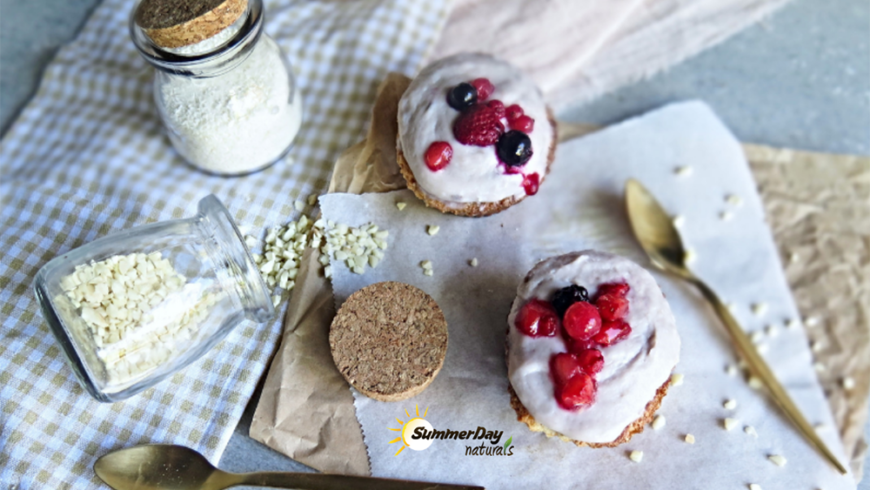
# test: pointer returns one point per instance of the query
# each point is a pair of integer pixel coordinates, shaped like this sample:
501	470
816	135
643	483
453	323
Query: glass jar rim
208	64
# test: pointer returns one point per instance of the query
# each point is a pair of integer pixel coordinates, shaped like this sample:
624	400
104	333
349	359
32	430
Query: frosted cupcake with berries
475	136
592	343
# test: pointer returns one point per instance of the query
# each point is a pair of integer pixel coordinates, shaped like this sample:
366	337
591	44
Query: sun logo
408	429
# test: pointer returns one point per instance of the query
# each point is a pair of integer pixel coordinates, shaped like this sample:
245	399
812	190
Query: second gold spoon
655	231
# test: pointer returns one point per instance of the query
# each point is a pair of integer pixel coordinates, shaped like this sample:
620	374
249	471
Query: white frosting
474	173
633	368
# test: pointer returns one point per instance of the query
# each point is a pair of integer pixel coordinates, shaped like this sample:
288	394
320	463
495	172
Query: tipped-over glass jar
132	308
229	102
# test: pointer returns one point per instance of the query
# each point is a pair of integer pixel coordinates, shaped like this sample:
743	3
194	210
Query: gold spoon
168	467
656	233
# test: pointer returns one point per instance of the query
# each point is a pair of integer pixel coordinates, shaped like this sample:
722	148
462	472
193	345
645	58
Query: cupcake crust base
633	428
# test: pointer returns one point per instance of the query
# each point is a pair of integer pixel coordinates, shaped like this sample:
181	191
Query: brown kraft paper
816	203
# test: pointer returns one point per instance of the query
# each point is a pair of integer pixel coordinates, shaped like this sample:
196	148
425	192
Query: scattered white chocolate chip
762	348
771	330
677	379
733	199
312	199
636	456
848	383
794	257
819	367
732	370
820	426
755	383
725	215
791	323
732	307
756	337
299	205
678	220
683	170
689	438
689	256
473	262
729	423
426	264
428	272
754	486
778	460
658	422
811	321
401	205
750	430
433	230
815	346
759	309
730	404
276	300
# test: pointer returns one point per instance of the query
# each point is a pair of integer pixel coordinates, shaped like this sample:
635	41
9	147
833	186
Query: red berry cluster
483	123
585	327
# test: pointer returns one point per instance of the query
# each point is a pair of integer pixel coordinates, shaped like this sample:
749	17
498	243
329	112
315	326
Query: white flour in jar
236	122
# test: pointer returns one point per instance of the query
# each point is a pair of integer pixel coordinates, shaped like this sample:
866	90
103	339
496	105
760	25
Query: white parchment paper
580	206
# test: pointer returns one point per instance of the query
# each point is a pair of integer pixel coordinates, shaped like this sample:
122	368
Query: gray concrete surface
799	79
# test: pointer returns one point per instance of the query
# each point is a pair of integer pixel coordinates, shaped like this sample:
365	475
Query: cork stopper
389	340
177	23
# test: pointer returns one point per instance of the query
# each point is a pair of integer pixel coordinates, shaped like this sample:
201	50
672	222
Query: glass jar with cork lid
224	90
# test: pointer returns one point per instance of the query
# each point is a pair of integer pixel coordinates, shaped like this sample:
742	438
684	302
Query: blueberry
462	96
514	148
566	297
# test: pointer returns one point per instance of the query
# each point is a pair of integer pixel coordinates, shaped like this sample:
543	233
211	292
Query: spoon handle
760	368
319	481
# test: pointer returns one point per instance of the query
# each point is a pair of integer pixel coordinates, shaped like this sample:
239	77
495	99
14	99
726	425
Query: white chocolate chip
679	220
848	383
299	205
433	230
811	321
636	456
276	299
658	422
755	383
778	460
473	262
759	309
312	199
426	264
757	337
730	404
733	199
683	170
794	257
729	423
726	215
754	486
750	430
731	370
400	205
689	438
819	367
428	272
762	348
689	256
677	379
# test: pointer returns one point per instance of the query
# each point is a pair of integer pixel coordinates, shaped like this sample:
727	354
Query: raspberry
513	112
612	332
531	183
497	106
591	361
537	319
438	155
480	125
581	321
484	88
577	392
619	289
612	307
563	367
576	346
524	124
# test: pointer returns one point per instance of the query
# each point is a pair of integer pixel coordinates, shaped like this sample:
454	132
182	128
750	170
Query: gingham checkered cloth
88	157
